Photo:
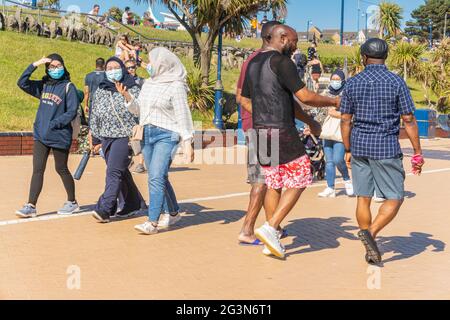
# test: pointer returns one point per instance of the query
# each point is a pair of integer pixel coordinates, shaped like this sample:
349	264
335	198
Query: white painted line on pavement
225	196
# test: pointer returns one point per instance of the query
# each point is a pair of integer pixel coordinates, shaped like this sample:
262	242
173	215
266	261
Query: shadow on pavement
197	214
319	234
409	246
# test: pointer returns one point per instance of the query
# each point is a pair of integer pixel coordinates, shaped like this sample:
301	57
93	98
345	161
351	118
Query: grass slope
17	109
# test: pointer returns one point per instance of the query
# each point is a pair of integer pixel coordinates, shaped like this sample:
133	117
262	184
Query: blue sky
325	14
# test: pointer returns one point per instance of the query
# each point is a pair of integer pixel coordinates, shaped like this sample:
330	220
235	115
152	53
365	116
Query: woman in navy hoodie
52	128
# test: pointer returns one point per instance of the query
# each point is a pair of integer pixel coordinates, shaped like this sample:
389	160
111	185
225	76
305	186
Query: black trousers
119	182
40	156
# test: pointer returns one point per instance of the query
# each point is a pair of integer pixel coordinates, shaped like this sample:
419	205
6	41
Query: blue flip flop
284	234
257	242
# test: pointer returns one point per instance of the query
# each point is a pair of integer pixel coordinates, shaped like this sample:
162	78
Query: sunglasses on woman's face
131	68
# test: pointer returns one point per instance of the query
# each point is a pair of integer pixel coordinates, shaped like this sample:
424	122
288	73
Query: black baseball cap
375	48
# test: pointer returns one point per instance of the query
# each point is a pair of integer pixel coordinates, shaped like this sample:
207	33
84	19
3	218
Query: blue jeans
158	147
334	157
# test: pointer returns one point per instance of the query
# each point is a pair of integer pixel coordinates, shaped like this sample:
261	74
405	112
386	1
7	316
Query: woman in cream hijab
164	113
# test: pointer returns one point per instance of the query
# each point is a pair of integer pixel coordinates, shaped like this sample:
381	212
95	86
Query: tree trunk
205	63
197	52
426	95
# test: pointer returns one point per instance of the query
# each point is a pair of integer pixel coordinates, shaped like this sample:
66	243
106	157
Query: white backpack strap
67	87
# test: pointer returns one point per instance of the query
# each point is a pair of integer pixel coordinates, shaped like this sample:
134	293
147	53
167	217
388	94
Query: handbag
331	129
135	144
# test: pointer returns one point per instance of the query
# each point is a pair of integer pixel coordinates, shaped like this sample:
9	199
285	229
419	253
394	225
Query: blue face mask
56	73
336	84
114	75
150	70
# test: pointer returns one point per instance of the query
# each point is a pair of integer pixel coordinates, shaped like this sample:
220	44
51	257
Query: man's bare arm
315	100
86	99
346	130
238	96
246	103
412	132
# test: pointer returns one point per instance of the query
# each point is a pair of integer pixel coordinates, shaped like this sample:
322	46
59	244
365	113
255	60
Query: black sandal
373	253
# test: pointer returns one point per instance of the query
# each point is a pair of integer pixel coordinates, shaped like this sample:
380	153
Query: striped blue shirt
376	98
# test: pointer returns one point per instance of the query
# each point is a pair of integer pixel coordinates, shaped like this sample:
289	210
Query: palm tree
441	56
426	73
356	65
406	56
389	19
232	15
433	76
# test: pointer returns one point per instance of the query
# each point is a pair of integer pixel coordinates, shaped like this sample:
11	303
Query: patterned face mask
114	75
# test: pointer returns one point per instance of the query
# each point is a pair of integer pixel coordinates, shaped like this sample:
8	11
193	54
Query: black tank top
273	114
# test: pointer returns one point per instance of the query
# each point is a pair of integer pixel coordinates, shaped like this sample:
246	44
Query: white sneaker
266	250
349	188
166	220
269	236
328	193
146	228
378	200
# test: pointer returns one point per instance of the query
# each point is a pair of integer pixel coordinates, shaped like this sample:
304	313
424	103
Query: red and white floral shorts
293	175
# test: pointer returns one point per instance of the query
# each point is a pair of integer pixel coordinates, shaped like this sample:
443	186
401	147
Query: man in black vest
270	88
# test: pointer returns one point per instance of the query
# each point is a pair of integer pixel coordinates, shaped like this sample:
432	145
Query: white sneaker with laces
349	188
166	220
266	250
146	228
269	236
328	193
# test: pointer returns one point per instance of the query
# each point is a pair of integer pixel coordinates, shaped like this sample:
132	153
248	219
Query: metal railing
110	19
140	36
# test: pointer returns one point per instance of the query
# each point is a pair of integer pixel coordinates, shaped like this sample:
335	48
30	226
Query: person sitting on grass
124	50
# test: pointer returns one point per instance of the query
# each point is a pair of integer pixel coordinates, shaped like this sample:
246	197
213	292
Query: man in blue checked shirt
373	103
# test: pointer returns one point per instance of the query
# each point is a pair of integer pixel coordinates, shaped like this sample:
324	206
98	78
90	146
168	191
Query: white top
92	18
118	51
125	18
164	105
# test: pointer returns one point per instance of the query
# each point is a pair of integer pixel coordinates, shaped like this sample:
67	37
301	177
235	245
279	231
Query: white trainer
328	193
269	236
166	220
266	250
378	199
146	228
349	188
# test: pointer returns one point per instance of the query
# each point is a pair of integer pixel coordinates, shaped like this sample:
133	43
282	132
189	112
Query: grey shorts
254	170
386	177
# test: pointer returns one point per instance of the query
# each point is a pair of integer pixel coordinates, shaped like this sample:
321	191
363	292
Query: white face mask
336	84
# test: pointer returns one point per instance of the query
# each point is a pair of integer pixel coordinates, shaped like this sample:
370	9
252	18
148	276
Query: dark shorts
254	170
386	177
